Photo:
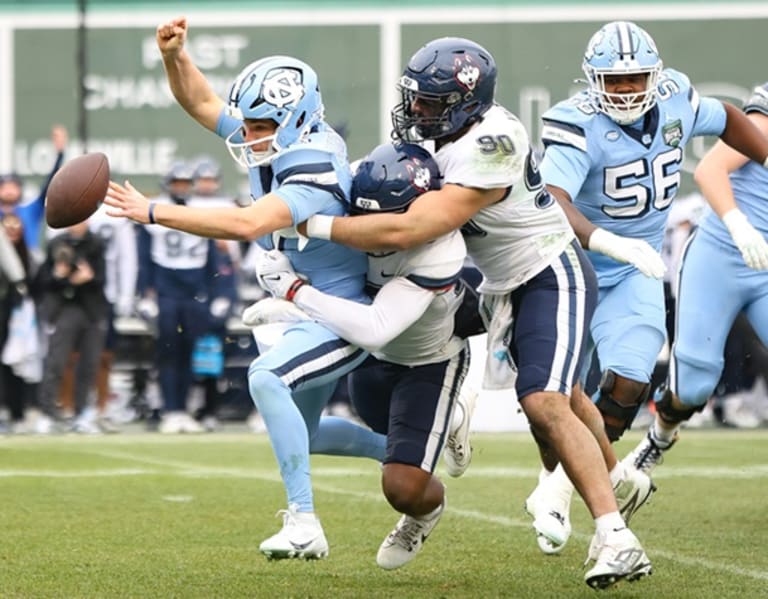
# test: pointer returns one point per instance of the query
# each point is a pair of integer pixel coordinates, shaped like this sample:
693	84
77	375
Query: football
76	190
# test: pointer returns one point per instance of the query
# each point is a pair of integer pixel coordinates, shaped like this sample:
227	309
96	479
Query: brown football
76	190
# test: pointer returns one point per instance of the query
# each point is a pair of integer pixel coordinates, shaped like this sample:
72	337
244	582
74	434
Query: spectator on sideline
17	391
32	211
74	311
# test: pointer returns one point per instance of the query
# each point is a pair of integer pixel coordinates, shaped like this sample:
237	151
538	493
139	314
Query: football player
273	124
409	390
613	155
729	247
538	287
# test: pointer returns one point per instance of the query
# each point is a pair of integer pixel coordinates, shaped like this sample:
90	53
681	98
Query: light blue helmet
279	88
622	48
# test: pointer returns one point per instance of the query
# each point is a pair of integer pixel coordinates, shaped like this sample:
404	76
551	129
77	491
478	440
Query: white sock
609	522
663	435
560	478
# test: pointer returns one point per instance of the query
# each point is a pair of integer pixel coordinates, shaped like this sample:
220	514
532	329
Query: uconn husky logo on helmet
622	48
467	74
446	86
391	176
278	88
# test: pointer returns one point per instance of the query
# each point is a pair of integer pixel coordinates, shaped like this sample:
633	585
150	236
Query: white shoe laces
406	535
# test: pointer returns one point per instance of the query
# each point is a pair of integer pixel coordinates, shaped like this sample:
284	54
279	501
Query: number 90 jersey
516	238
623	178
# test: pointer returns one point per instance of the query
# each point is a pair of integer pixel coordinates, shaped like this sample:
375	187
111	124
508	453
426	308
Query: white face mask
242	153
624	109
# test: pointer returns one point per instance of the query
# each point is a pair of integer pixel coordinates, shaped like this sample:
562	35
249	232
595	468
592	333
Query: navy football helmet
279	88
622	48
392	176
453	82
177	182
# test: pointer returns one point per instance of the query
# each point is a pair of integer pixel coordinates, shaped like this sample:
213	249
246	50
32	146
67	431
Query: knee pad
669	413
618	415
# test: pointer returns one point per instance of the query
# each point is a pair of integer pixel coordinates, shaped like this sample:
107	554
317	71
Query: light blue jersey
623	178
712	256
312	177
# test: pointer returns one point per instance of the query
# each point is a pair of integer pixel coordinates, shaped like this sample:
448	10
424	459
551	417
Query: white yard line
191	469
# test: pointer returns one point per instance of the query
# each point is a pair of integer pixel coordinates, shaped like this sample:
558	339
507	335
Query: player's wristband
295	286
319	226
765	162
152	213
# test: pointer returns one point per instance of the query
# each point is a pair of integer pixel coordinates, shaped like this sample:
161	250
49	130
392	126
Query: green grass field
141	515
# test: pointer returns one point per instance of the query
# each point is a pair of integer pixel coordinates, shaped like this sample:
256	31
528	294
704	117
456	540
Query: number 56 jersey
624	178
516	238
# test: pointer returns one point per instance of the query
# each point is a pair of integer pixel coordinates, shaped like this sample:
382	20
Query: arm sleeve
397	305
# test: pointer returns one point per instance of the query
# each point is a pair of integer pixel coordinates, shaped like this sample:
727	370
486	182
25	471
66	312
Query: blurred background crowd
113	323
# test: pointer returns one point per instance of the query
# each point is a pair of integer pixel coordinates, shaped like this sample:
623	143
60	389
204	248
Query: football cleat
632	491
302	536
648	454
405	541
550	505
458	451
618	556
173	423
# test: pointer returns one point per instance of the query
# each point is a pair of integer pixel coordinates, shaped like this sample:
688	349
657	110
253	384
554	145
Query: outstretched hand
127	202
172	35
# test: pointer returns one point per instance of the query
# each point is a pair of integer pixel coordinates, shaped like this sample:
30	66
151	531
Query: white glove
220	307
629	251
147	308
751	243
275	274
271	310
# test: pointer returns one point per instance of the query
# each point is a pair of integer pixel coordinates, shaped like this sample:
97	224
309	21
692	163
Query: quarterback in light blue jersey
273	125
613	155
728	247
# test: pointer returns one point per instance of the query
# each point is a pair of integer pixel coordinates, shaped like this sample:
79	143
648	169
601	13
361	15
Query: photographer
74	310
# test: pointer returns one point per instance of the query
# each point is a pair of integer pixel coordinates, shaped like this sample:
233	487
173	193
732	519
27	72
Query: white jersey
120	256
516	238
410	321
178	249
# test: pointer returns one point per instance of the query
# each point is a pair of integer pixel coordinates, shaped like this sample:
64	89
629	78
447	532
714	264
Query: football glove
751	243
271	310
627	250
276	275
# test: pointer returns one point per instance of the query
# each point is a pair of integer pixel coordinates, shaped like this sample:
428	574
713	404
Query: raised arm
188	84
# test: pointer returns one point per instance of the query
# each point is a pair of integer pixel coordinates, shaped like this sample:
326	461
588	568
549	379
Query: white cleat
458	451
632	491
648	454
550	505
173	423
618	556
405	541
302	536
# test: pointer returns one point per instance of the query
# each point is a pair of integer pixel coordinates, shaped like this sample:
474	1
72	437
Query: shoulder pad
567	122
